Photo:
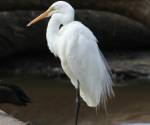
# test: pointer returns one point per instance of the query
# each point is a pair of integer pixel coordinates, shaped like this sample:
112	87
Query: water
53	103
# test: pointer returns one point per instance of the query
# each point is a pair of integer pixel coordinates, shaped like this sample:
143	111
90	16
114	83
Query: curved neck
56	20
53	29
53	26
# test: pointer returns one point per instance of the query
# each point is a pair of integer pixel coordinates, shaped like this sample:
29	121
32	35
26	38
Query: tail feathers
13	94
97	91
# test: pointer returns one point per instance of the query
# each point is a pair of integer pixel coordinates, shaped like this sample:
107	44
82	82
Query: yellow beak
42	16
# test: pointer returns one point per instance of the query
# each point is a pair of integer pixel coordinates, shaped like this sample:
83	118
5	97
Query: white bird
82	61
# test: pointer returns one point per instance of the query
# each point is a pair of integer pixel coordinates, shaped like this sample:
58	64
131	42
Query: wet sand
53	103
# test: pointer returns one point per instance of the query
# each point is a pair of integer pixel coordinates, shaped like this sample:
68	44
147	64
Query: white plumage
77	48
80	57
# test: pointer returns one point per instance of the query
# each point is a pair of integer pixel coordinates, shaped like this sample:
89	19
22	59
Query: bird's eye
60	26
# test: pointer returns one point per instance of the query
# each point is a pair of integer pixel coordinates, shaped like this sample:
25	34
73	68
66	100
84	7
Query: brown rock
114	31
135	9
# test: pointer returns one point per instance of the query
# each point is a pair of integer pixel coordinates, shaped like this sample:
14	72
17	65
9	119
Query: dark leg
77	103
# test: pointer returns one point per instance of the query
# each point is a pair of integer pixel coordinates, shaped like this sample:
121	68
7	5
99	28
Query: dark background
123	30
121	26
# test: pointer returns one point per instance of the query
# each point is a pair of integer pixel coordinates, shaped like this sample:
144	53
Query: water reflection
53	102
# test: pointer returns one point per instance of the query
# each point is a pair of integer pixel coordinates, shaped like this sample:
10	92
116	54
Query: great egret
80	57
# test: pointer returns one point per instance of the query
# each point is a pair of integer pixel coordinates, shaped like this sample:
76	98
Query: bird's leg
77	102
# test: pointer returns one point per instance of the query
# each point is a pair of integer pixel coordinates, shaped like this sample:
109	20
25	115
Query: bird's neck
53	30
53	27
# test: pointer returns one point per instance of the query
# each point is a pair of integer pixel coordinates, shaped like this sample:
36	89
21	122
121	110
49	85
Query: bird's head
60	8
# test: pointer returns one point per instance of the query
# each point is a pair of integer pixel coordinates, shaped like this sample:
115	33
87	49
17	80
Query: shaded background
121	26
123	29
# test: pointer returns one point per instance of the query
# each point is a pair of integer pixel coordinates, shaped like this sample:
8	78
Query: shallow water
53	103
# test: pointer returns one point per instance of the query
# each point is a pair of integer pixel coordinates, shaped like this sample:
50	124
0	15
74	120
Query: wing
88	66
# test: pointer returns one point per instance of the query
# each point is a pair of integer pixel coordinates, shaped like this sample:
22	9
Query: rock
124	66
6	119
12	94
135	9
114	31
15	37
130	65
